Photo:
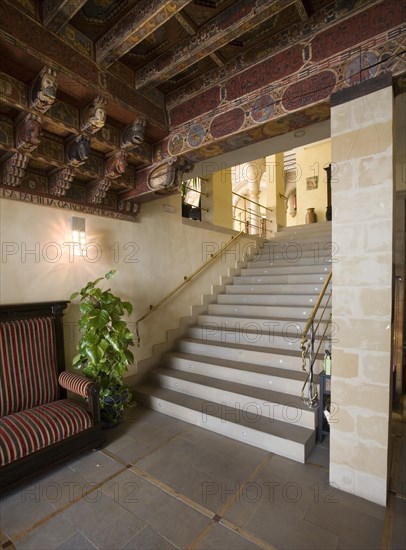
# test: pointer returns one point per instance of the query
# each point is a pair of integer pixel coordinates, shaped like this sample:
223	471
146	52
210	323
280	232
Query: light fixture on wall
78	228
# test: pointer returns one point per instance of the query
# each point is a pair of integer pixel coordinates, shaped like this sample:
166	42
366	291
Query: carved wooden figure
167	177
29	133
116	165
133	135
94	116
78	151
43	90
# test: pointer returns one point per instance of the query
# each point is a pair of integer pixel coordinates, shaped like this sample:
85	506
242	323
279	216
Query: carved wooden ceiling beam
91	119
228	25
56	13
79	71
191	28
139	23
302	11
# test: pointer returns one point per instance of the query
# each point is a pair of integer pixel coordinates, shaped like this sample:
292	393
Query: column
254	171
362	200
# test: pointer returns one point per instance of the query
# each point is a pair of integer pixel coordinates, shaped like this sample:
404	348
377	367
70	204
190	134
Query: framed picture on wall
312	183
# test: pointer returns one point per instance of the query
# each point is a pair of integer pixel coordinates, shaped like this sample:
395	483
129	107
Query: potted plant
104	346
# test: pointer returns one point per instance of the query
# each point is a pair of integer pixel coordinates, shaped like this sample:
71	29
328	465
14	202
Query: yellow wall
311	161
222	198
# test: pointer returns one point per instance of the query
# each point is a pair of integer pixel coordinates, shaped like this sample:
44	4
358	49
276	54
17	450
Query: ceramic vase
311	216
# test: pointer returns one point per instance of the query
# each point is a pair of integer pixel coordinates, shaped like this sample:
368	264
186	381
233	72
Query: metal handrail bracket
307	346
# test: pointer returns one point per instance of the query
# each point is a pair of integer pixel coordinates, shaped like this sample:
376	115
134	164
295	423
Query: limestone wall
362	198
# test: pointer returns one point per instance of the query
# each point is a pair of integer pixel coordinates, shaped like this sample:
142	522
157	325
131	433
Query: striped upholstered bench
39	426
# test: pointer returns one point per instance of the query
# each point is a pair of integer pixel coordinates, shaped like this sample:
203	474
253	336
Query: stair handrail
186	280
253	202
307	345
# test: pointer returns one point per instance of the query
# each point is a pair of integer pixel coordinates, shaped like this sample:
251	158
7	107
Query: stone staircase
238	371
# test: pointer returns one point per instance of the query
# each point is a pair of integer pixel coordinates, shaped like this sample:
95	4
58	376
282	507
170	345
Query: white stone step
302	231
252	400
283	267
284	312
324	260
301	300
265	289
292	254
282	279
283	326
264	268
268	357
280	380
282	241
245	336
289	440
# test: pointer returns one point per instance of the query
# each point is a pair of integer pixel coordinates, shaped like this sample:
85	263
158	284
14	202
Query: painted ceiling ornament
167	177
129	206
116	165
28	132
78	151
133	135
96	191
13	169
59	182
175	145
93	117
42	91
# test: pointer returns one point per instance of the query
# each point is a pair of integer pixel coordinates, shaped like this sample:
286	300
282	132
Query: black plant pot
113	408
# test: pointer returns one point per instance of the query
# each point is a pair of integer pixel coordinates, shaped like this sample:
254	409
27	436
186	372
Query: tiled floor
160	483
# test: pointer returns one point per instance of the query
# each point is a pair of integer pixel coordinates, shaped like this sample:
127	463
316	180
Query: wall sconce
78	228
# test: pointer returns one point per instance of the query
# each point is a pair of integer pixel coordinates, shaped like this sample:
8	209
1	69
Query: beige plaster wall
151	257
362	198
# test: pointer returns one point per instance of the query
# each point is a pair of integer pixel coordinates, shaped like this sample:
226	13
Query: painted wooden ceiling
195	77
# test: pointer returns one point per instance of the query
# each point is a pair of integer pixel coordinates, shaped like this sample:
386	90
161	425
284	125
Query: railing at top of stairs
185	281
307	345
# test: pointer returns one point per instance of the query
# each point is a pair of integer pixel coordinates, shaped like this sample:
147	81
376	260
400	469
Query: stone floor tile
147	433
95	466
216	442
103	521
62	486
178	523
347	522
222	538
48	536
148	539
287	532
136	495
175	465
22	508
164	422
76	542
128	449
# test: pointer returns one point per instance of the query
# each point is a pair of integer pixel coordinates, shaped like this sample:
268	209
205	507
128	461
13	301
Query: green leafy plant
104	346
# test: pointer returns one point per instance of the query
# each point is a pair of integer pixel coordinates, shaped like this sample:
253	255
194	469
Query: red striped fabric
28	370
28	431
75	383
